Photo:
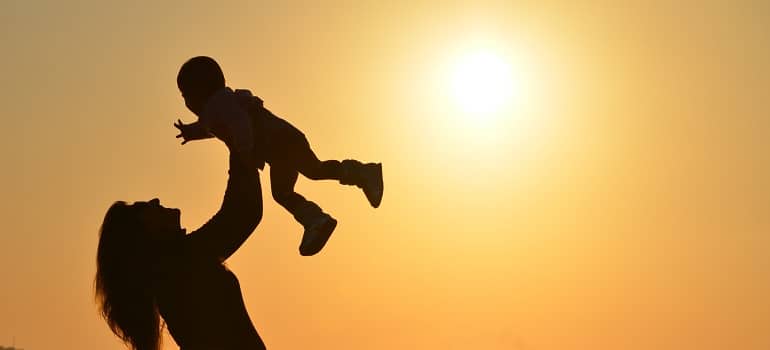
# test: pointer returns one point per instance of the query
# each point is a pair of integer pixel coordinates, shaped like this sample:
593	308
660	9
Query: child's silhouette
239	119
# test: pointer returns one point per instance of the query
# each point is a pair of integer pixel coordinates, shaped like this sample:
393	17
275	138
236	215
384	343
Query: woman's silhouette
148	268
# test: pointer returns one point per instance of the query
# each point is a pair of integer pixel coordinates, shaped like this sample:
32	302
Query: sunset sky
558	175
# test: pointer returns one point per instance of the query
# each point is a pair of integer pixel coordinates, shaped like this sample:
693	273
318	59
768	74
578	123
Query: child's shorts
283	141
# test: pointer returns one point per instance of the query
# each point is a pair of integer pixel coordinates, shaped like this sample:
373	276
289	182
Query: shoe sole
377	197
319	242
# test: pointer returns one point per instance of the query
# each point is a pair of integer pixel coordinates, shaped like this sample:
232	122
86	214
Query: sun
482	83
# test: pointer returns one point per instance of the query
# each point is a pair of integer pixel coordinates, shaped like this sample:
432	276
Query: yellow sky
624	203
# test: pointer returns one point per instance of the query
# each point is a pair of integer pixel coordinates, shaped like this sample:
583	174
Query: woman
147	268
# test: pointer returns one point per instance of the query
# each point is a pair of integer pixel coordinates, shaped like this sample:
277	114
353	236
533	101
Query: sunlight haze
558	175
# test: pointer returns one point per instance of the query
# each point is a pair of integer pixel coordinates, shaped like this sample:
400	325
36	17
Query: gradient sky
622	203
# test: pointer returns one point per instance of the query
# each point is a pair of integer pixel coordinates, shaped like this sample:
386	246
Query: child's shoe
368	177
316	234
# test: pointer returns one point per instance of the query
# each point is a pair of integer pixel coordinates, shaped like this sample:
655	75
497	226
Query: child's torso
224	114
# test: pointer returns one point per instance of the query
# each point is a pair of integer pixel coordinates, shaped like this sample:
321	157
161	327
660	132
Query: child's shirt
241	121
226	119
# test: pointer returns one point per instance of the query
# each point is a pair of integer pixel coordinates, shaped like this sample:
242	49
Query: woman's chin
177	218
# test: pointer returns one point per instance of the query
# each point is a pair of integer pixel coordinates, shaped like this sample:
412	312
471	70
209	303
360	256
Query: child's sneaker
368	177
316	235
372	183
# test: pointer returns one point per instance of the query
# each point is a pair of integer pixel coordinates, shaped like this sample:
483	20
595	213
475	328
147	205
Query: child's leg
349	172
290	149
282	181
307	163
318	225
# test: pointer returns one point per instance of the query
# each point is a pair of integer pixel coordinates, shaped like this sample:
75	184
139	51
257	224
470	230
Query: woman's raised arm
239	215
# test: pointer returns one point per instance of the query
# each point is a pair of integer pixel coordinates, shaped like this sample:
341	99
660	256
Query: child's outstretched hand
190	132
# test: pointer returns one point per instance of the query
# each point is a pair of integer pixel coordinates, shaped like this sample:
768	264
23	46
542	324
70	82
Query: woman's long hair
123	279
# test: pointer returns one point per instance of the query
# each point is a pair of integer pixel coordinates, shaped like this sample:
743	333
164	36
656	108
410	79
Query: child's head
198	79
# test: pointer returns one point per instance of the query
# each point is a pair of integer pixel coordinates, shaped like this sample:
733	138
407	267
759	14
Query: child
240	120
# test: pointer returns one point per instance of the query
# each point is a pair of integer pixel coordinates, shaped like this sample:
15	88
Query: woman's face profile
157	218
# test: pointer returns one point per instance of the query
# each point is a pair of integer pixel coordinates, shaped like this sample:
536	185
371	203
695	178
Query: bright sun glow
482	83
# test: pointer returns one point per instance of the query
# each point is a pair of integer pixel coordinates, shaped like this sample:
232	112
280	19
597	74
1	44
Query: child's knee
282	196
323	170
313	173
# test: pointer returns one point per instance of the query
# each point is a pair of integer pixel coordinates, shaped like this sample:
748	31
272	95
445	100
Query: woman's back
203	308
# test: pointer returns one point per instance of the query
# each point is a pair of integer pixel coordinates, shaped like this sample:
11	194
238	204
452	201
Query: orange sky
625	204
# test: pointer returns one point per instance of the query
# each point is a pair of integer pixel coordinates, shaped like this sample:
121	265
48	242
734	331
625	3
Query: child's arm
229	117
242	138
192	131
